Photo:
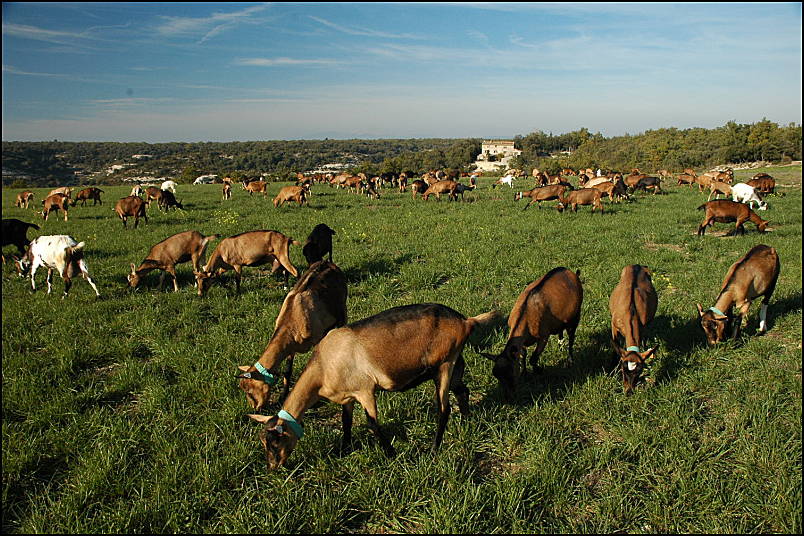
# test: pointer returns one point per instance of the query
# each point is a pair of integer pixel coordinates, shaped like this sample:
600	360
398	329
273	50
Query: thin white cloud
364	31
210	26
283	62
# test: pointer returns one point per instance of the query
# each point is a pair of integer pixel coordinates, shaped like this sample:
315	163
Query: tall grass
121	414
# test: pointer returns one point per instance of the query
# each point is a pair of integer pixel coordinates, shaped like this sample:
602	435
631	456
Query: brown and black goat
632	305
131	206
315	305
394	350
725	211
176	249
754	275
252	248
548	306
542	193
89	193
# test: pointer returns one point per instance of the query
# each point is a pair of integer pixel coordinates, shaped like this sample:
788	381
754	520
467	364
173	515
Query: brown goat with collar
548	306
252	248
754	275
394	350
632	305
315	305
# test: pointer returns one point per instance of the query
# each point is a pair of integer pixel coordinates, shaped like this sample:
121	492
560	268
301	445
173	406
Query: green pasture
122	414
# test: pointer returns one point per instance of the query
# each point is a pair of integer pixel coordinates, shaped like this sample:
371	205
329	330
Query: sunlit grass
121	414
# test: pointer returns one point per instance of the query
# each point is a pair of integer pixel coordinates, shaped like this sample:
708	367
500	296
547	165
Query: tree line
66	163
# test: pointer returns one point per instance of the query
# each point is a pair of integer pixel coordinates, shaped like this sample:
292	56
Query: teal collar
716	311
291	421
267	377
632	349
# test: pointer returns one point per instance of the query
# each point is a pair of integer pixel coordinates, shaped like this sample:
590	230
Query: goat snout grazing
318	244
394	350
754	275
176	249
315	305
548	306
632	305
252	248
725	211
57	252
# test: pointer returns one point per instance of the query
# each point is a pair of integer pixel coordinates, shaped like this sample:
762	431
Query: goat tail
483	319
31	225
295	242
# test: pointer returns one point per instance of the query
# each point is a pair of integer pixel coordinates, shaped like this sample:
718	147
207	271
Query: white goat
169	185
743	193
56	252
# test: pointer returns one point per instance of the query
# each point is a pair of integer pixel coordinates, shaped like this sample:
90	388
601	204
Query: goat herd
402	347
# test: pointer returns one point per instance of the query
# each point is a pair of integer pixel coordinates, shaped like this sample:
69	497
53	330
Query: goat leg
370	405
346	421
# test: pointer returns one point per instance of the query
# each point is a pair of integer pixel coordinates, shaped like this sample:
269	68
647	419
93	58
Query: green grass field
122	414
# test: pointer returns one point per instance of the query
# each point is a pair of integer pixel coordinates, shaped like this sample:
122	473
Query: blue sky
241	71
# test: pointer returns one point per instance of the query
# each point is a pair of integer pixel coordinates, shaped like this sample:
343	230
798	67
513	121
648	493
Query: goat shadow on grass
554	381
375	267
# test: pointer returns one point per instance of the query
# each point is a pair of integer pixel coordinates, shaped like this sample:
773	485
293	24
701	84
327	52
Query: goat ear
244	368
133	268
262	419
700	309
650	353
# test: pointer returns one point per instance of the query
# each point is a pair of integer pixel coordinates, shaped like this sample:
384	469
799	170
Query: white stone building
502	151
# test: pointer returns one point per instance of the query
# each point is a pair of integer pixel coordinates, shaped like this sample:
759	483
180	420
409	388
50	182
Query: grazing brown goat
131	206
152	193
716	188
686	178
632	306
318	244
167	200
66	190
394	350
252	248
256	187
23	198
315	305
763	185
87	194
291	193
403	182
53	203
649	183
754	275
173	250
548	306
542	193
584	196
417	186
446	186
616	191
725	211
